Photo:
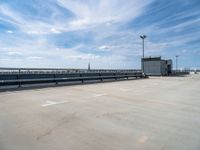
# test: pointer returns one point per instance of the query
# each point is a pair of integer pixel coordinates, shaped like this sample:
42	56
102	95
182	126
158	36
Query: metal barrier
22	76
180	72
60	70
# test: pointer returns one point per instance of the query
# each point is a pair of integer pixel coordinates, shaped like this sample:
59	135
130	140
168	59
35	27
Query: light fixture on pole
177	63
143	37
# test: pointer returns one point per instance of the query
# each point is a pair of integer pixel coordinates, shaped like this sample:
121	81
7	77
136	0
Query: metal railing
60	70
31	76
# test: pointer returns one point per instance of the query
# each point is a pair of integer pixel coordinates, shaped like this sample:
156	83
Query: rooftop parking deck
159	113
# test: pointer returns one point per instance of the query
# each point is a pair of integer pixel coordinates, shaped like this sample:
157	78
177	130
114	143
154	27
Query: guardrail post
115	76
82	81
126	76
100	77
18	77
55	79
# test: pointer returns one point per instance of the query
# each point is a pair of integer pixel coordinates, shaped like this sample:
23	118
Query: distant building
156	66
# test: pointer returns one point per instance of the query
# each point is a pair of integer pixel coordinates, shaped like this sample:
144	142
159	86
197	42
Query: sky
106	33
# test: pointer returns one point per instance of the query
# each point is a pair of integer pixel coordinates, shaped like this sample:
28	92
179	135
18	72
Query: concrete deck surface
161	113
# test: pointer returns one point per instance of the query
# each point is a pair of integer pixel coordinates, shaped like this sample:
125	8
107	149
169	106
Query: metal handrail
60	70
18	79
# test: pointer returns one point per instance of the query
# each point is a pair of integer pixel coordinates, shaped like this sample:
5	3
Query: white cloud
97	12
105	47
86	15
34	58
9	31
56	31
14	53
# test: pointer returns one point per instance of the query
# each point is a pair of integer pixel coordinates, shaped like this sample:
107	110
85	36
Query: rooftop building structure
156	66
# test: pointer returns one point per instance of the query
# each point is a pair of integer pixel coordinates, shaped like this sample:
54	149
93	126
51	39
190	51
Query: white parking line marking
50	103
125	90
9	93
99	95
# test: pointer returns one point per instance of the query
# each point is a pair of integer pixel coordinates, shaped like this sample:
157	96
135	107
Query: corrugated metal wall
153	68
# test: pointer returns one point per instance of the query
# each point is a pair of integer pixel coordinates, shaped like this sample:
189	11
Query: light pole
89	66
177	63
143	37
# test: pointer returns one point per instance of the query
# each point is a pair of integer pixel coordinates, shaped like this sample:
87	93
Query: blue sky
71	33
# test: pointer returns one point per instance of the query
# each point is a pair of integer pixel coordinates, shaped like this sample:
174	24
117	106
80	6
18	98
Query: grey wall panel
152	67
